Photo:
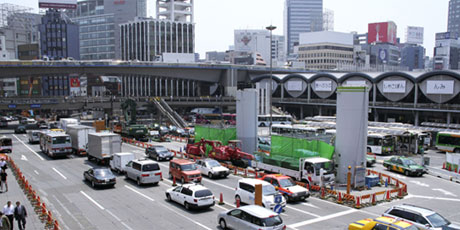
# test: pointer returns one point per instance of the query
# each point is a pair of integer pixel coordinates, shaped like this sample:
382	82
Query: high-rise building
453	23
301	16
59	36
446	51
99	22
175	10
413	56
258	41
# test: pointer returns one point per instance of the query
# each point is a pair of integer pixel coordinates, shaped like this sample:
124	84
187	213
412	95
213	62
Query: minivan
143	171
184	170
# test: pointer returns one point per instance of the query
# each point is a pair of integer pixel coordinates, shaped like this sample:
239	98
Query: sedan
20	129
404	165
100	177
158	153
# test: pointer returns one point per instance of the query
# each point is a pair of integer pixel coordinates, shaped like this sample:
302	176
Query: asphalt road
128	206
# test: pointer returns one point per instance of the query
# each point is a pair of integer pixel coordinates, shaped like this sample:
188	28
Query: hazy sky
216	19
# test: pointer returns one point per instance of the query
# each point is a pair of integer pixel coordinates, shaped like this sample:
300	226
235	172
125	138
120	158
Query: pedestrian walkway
15	193
442	173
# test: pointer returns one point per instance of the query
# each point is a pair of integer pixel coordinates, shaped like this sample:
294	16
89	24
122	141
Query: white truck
309	170
65	122
79	135
101	146
119	161
55	144
34	136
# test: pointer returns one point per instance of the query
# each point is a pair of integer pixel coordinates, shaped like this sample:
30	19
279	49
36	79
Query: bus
211	118
229	118
448	142
264	120
55	144
6	145
380	143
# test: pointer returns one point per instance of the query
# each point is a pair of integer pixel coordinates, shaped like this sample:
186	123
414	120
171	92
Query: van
184	170
245	193
143	171
33	137
120	160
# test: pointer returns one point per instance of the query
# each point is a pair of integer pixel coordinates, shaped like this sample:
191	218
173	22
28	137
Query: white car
143	171
191	196
245	193
212	168
250	217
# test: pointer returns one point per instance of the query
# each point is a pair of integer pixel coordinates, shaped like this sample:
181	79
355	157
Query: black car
158	153
100	177
20	129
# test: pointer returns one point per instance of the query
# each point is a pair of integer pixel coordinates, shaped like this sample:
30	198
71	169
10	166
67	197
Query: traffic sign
278	208
278	199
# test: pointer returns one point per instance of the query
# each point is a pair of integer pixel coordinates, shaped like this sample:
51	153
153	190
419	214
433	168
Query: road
128	206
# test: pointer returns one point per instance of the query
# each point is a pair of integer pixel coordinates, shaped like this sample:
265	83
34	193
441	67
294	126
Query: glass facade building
453	24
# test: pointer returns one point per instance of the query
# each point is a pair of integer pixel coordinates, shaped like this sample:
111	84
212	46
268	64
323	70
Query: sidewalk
14	194
442	173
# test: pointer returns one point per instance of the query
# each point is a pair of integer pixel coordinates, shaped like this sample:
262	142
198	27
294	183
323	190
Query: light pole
271	28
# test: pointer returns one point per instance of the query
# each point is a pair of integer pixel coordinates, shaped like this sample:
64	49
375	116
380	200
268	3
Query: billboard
440	87
394	86
382	32
58	4
294	85
414	35
446	35
323	86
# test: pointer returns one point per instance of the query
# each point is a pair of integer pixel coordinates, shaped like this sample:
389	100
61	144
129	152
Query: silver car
143	171
250	217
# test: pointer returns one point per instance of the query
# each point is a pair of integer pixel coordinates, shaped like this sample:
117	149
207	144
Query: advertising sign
324	86
440	87
294	85
394	86
382	32
383	55
75	82
446	35
414	35
58	4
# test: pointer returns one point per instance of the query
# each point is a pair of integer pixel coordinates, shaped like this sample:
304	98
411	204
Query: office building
446	51
175	10
258	41
147	39
99	22
301	16
413	56
59	36
325	50
453	22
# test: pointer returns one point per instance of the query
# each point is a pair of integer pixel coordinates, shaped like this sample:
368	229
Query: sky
217	19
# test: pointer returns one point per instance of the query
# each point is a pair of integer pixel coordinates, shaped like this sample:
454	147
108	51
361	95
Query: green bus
448	142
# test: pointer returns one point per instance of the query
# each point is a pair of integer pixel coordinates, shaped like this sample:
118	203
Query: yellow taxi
383	222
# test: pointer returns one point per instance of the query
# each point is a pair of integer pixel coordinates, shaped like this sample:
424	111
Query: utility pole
271	28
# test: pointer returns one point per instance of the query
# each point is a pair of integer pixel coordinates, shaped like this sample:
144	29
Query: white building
258	41
325	50
8	87
446	51
3	52
175	10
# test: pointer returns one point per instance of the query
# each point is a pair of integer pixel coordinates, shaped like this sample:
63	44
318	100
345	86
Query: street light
271	28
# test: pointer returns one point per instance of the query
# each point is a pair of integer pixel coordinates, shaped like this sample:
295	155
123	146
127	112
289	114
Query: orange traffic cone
397	183
358	202
444	165
339	198
323	194
405	190
400	193
221	199
374	201
174	181
388	198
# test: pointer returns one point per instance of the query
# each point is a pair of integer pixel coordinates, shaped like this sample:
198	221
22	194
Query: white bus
55	144
380	143
264	120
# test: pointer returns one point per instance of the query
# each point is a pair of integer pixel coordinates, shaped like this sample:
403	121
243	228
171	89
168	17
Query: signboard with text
440	87
323	86
394	86
294	85
58	4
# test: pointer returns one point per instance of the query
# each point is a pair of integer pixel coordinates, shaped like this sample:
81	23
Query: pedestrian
3	164
20	215
6	225
8	210
3	176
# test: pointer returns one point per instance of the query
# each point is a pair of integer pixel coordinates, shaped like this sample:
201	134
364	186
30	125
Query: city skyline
239	14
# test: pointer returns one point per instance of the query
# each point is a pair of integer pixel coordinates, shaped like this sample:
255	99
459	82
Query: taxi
287	187
383	222
404	165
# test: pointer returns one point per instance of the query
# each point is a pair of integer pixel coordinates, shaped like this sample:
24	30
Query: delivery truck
79	135
101	146
65	122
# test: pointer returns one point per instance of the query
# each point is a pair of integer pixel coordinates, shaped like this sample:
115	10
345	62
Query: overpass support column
374	94
376	115
282	91
172	88
166	87
416	95
449	118
416	120
308	93
301	112
230	82
161	88
183	85
177	87
188	88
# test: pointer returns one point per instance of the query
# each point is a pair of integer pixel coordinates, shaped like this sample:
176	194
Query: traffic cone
400	193
358	202
388	198
339	198
174	181
56	225
450	167
368	172
374	200
221	199
323	194
397	183
444	165
307	186
405	190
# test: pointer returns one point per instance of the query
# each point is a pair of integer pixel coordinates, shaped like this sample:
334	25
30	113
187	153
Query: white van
120	160
245	193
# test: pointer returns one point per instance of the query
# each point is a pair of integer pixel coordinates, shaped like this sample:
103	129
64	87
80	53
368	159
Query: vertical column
416	95
282	90
374	94
416	120
172	87
308	92
376	115
188	88
449	118
150	86
161	88
177	87
193	88
166	87
183	85
301	112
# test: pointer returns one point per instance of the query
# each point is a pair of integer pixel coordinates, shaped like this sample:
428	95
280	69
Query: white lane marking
24	135
24	158
118	219
433	198
68	212
142	194
447	193
190	219
310	205
302	211
35	171
420	183
92	200
60	174
307	222
41	158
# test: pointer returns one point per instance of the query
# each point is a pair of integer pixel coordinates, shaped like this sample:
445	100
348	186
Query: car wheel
182	180
168	197
139	182
222	224
187	206
286	197
210	175
389	167
92	184
406	172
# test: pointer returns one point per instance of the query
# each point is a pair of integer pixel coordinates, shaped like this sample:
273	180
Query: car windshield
213	164
203	193
103	173
437	220
272	221
268	190
61	140
188	167
408	162
150	167
286	182
161	149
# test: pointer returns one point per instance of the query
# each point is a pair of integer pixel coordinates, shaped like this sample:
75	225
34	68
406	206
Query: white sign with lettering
440	87
356	83
324	86
294	85
394	86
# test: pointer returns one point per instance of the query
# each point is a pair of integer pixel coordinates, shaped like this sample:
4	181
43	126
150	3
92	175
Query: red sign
74	82
382	32
119	2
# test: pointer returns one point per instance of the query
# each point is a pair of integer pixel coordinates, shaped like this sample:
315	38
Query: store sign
440	87
323	86
35	106
394	86
294	85
12	106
